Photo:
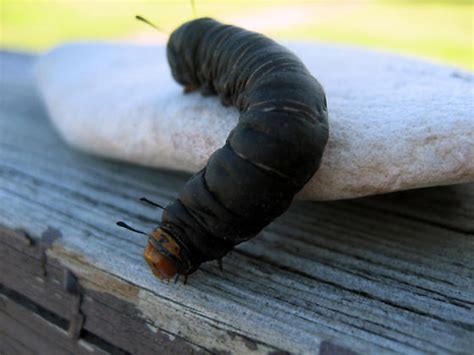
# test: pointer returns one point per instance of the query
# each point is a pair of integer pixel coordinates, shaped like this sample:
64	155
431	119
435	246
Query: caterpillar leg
190	88
177	278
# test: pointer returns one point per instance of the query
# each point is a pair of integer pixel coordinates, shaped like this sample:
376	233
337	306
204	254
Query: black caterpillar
268	157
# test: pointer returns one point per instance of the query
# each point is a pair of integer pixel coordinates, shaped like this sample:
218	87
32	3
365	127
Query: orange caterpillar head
160	252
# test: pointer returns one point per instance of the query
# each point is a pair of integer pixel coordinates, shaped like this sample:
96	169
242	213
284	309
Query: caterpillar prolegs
273	151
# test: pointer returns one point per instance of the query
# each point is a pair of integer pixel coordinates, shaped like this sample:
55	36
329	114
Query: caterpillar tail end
160	244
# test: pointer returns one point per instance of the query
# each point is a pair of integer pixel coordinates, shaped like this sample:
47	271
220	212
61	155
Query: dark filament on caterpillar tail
126	226
144	199
148	22
142	19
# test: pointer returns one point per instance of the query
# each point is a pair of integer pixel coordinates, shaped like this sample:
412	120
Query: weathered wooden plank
160	314
12	346
108	318
27	272
377	275
33	331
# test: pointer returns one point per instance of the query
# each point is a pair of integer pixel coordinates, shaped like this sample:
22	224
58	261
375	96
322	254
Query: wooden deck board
386	274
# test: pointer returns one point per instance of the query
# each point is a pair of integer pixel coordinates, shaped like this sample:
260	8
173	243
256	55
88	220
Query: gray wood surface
386	274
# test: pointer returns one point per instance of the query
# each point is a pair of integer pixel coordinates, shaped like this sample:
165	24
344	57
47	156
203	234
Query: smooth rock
395	123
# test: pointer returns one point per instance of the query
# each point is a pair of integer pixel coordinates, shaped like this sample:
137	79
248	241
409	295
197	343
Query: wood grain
387	274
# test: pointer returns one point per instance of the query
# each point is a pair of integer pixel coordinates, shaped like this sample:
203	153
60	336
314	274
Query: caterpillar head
161	254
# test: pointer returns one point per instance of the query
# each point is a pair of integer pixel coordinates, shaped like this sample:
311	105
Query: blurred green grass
440	30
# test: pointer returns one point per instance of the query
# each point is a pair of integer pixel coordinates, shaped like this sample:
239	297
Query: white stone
395	123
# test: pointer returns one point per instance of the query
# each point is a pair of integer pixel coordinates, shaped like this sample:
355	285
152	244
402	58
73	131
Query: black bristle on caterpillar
268	157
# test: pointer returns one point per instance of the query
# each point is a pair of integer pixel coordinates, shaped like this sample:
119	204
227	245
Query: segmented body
273	151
